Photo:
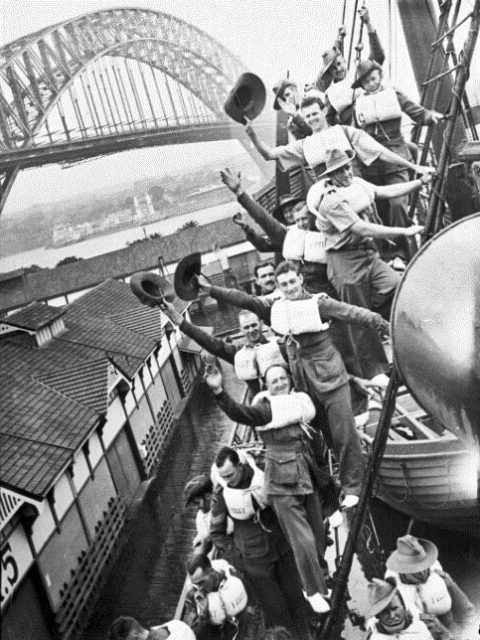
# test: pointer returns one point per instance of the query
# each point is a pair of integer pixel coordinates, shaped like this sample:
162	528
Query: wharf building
91	396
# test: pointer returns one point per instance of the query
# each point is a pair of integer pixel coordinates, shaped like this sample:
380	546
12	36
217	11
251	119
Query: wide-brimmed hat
287	198
151	289
197	487
278	89
412	555
380	594
246	99
364	67
184	281
336	158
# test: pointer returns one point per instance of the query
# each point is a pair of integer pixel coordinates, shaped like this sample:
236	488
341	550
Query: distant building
90	395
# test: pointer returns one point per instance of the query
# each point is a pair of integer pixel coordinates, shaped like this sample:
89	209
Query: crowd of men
326	306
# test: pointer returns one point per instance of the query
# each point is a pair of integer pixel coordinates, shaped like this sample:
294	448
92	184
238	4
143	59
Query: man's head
229	467
302	218
199	569
277	380
371	81
393	616
286	90
289	280
339	167
338	68
251	326
127	628
343	176
312	109
369	76
265	277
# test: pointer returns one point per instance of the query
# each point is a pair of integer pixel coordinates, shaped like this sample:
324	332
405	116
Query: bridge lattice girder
37	70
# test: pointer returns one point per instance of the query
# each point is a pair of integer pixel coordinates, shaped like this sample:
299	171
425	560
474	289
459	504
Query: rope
350	47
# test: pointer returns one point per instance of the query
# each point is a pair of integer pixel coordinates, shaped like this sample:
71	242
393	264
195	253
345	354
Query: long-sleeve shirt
260	242
329	308
289	463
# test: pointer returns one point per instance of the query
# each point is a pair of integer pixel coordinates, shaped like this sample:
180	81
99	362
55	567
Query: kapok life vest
377	107
177	629
417	630
251	362
230	599
340	94
239	501
431	597
289	408
296	317
269	354
245	363
315	147
302	244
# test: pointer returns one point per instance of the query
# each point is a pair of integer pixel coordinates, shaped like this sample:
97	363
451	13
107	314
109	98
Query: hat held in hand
246	99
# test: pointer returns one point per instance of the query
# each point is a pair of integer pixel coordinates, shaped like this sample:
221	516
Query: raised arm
274	229
260	242
415	111
402	189
215	346
376	50
334	309
252	416
239	299
266	151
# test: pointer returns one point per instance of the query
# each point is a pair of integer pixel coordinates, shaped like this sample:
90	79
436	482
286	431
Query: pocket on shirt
282	468
328	366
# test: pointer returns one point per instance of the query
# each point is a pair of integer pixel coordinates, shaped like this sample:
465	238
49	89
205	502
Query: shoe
349	501
336	519
318	603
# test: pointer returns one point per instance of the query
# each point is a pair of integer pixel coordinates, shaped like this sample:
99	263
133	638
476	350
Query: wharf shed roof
54	396
40	431
34	316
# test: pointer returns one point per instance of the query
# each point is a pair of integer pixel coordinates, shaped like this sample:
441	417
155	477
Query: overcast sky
270	36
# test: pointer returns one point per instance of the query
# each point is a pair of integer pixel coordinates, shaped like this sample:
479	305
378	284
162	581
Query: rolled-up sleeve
291	155
366	148
337	211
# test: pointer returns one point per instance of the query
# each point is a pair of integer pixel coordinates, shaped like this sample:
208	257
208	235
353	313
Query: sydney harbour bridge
109	81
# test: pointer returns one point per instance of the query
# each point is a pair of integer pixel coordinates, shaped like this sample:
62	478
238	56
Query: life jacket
177	629
340	94
245	363
239	501
377	107
230	599
252	362
269	354
431	597
417	630
294	407
296	317
315	147
300	244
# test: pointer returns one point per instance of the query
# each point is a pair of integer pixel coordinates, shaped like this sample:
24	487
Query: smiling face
371	81
315	117
302	218
251	327
342	177
393	616
290	284
266	278
277	381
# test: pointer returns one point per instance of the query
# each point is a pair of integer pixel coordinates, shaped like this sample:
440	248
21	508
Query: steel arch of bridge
108	81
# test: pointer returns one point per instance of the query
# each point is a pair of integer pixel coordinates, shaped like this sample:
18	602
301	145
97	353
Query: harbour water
117	240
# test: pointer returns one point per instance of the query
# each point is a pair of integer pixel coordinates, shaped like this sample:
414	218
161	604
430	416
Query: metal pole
436	203
333	625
